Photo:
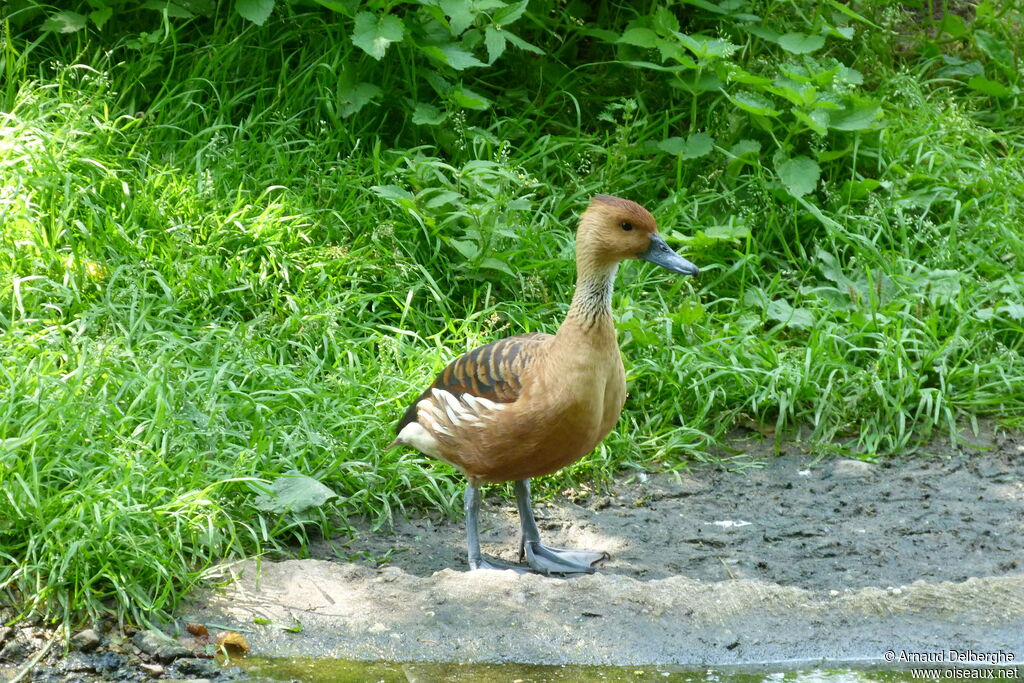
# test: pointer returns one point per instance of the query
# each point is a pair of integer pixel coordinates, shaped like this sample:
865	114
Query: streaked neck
592	301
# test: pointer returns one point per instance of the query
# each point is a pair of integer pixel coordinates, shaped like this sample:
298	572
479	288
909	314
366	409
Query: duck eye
626	225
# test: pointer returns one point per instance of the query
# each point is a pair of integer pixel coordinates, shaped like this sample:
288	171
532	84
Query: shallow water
343	671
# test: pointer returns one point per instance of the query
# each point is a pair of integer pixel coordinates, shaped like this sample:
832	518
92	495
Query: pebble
85	641
159	646
194	666
15	650
853	469
153	670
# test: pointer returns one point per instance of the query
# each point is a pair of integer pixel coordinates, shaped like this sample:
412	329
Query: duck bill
661	254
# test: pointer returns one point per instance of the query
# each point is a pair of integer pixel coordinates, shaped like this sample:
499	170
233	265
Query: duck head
613	229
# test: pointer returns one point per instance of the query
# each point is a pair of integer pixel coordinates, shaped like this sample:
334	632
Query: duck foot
544	559
490	563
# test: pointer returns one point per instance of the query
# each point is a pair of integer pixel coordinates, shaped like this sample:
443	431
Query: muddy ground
791	558
794	520
788	558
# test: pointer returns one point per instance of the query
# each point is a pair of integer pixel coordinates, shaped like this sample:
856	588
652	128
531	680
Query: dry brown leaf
196	629
233	642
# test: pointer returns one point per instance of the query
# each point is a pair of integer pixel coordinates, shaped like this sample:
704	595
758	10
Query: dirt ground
795	520
791	558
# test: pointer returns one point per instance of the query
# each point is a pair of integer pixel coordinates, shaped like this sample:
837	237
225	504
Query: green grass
211	277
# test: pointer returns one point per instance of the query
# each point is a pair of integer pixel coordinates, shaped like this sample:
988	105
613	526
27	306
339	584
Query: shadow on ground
790	558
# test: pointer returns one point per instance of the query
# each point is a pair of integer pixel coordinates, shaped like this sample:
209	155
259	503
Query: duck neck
592	303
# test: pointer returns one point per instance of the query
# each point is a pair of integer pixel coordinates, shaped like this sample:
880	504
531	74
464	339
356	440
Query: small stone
152	670
5	633
194	666
160	647
76	663
15	650
85	641
853	469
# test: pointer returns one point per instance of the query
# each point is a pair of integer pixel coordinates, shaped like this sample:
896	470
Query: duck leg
545	559
472	509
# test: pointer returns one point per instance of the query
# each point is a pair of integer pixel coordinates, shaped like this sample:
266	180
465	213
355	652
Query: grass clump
233	253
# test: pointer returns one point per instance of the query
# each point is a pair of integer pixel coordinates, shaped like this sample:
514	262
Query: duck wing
492	372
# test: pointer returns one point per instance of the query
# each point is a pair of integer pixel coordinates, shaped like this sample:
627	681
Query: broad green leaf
1015	311
468	249
953	25
689	312
989	87
997	50
744	147
673	145
521	44
460	14
373	34
704	47
844	32
847	75
294	492
796	72
468	99
858	189
940	286
511	13
173	9
441	198
696	82
393	193
831	269
454	55
798	93
800	43
428	114
753	104
816	119
101	16
256	11
640	37
356	97
958	67
705	5
665	21
697	145
340	6
763	32
781	311
863	118
494	264
494	39
735	74
799	175
65	22
728	233
203	8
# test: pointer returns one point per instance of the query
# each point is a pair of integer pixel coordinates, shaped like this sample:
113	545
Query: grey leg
545	559
472	509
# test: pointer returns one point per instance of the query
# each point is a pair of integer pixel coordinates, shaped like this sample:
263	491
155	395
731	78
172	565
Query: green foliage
234	252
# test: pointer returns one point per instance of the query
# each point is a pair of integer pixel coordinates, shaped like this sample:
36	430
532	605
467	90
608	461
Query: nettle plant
799	97
446	36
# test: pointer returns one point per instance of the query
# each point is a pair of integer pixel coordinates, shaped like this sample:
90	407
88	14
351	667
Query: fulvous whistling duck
528	405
